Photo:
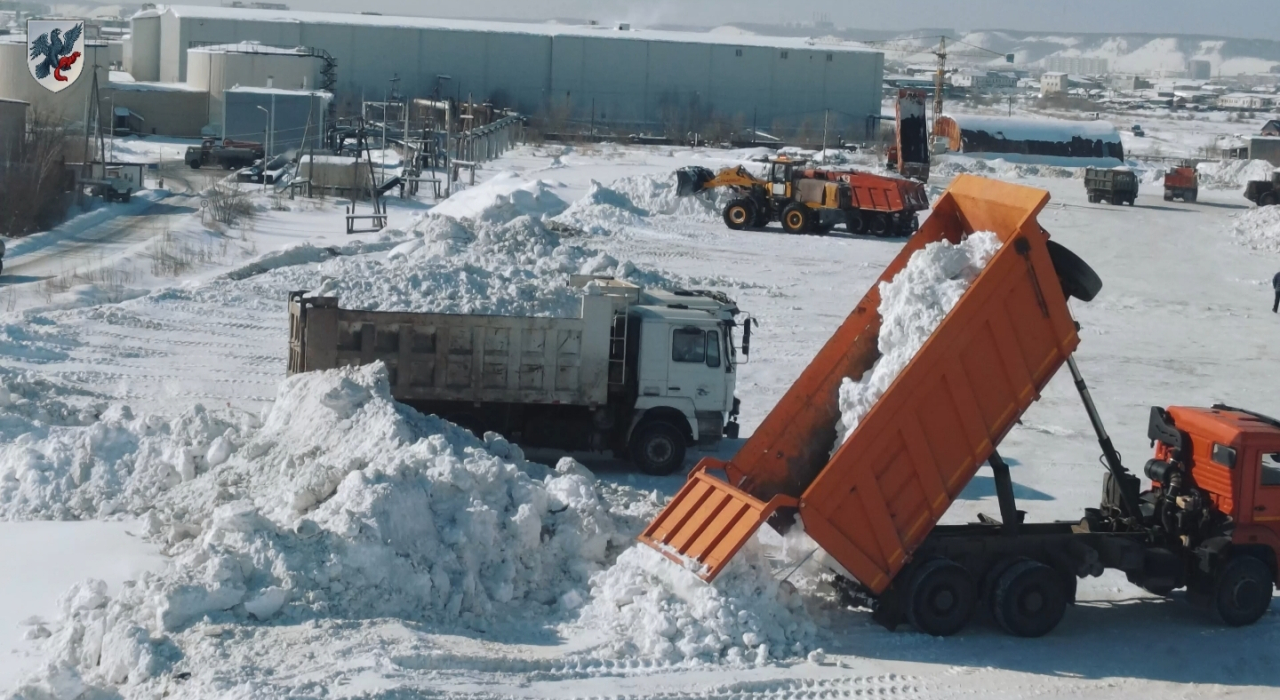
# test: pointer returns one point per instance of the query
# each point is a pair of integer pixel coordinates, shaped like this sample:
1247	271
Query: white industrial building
617	75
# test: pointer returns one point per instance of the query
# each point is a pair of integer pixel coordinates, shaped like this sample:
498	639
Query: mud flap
1078	279
708	522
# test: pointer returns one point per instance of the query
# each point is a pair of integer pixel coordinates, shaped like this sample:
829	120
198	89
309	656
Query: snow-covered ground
323	541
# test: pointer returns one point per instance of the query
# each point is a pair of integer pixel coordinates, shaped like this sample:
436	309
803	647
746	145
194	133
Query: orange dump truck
874	505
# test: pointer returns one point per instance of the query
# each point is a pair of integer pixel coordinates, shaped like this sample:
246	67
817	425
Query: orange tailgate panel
707	522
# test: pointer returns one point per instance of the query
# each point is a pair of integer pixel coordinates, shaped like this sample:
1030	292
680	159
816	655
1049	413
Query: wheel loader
813	200
1208	521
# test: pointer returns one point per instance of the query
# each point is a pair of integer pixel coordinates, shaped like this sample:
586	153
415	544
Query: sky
1258	19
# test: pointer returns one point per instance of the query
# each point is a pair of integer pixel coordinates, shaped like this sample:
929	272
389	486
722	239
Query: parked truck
1209	521
1264	193
229	155
644	373
1183	182
1113	185
816	200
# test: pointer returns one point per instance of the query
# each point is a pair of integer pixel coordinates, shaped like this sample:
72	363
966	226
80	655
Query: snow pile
57	464
1259	229
652	609
500	260
601	211
913	305
1233	174
656	195
348	505
1004	168
506	193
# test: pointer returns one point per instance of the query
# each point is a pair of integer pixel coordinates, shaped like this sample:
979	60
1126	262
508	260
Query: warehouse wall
168	112
216	72
632	80
143	55
244	121
13	127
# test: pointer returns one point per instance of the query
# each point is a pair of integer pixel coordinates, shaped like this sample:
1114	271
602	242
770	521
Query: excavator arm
695	179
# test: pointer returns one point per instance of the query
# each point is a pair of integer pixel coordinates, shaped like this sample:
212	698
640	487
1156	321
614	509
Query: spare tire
1077	278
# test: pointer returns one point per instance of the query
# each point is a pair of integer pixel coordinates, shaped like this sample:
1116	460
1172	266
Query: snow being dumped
1259	229
1233	174
651	608
344	504
912	306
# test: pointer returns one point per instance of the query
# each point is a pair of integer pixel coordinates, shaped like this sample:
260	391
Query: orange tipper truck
1209	521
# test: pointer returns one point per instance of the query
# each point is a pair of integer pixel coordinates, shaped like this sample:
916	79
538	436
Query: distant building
984	80
1271	128
1263	148
1076	64
1129	83
1198	69
1054	83
1246	102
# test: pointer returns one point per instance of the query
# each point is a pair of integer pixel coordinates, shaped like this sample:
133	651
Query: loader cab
782	172
1235	458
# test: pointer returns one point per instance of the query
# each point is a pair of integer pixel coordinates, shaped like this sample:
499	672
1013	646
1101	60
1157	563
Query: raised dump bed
872	503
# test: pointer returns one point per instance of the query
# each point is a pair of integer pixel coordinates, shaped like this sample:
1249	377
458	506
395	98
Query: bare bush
229	204
35	183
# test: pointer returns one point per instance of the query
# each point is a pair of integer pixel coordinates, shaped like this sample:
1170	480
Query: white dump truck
642	373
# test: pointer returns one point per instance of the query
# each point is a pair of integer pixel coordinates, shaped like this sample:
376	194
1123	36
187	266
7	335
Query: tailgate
707	522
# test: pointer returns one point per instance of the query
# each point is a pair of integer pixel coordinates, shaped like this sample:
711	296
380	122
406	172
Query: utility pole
825	115
938	80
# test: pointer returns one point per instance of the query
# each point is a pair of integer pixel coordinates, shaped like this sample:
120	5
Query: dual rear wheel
1026	598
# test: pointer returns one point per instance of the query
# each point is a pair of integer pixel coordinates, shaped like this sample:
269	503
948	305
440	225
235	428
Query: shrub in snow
912	306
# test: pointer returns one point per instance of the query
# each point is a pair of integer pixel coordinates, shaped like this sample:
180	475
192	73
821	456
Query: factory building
615	75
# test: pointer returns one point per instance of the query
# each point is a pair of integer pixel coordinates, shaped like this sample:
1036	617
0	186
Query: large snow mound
656	195
501	194
345	504
912	306
1258	229
651	608
1233	174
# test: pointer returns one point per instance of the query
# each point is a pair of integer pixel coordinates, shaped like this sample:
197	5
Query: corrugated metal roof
549	30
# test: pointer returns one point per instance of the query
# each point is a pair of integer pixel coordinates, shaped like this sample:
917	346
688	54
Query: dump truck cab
1235	459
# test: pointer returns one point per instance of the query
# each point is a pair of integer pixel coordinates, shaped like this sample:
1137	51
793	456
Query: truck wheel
940	598
761	219
1168	196
195	164
739	214
658	448
126	196
1190	196
797	218
879	225
1029	599
1243	591
854	223
1267	199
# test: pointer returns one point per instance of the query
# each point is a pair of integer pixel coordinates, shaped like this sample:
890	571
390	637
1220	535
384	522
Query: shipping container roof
535	29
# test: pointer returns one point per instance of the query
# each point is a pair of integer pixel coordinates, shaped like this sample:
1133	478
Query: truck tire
797	218
762	217
1243	590
739	214
854	222
941	597
1029	599
1267	199
657	448
878	226
195	164
1168	196
126	196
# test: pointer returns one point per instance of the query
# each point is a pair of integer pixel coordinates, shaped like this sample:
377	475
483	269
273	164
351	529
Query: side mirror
746	336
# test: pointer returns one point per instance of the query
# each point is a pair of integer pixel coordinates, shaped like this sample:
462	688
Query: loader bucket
692	180
873	501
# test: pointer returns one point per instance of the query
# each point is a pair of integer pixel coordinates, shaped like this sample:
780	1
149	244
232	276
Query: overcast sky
1240	18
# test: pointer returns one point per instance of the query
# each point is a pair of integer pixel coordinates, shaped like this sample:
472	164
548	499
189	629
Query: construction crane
941	51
